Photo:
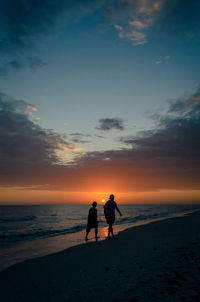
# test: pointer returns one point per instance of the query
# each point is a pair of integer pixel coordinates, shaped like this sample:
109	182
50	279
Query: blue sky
98	73
90	73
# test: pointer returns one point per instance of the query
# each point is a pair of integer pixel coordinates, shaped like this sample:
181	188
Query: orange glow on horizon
38	196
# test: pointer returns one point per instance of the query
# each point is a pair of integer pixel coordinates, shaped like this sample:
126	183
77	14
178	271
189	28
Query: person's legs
110	221
87	232
113	221
96	232
110	229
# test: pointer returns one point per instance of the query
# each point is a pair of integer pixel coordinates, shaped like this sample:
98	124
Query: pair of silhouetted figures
109	212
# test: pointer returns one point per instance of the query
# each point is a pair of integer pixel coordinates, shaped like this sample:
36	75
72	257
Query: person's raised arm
118	210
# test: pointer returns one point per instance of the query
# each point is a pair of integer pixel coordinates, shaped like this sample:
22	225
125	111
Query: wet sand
159	261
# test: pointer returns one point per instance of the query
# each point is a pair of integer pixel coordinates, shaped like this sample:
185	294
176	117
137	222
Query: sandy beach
159	261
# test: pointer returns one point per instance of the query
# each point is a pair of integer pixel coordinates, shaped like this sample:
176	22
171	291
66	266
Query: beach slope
159	261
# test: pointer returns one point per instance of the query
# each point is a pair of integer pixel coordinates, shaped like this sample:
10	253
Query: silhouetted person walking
92	221
109	211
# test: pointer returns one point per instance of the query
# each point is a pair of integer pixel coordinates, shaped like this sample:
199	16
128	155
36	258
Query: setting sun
103	200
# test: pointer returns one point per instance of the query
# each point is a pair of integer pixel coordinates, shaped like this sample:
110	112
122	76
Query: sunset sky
99	97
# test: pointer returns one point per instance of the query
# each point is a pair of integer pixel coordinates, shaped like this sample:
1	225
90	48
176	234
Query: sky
99	97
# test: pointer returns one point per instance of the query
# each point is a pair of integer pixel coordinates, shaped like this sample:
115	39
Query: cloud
80	141
25	23
189	105
107	124
167	157
10	65
136	37
31	108
33	63
79	134
136	19
79	138
16	64
164	59
24	144
133	19
158	61
100	136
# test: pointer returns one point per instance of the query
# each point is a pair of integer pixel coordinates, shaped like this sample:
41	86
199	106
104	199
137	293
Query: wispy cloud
25	23
160	61
136	37
135	20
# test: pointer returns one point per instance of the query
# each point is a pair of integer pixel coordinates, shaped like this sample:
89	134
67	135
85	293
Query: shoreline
54	244
158	261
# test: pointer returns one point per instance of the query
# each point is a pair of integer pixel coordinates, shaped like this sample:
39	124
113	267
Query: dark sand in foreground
155	262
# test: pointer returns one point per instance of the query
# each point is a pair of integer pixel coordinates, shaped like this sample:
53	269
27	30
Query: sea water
32	231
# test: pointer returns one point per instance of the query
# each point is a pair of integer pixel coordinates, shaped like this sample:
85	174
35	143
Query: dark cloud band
107	124
165	158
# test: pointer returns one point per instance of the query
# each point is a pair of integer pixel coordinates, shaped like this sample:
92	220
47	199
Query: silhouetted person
109	211
92	221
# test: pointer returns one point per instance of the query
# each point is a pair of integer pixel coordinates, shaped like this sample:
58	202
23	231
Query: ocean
32	231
